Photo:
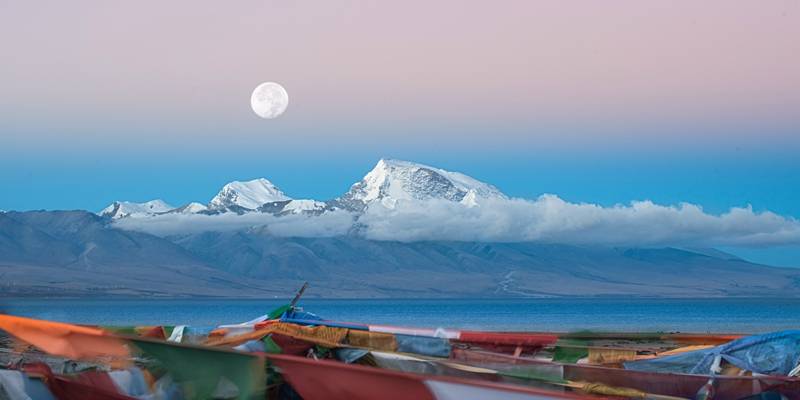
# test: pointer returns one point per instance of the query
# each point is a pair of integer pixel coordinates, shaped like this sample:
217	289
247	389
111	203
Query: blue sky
715	180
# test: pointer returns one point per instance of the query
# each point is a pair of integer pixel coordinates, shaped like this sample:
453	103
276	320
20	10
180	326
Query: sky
600	102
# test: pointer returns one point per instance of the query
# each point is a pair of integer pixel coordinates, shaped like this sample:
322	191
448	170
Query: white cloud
327	225
546	219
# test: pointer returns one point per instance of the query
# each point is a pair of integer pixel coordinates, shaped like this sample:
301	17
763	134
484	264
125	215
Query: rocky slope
75	253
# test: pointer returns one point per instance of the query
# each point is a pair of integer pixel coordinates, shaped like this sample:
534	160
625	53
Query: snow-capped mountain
394	180
402	224
191	208
246	196
389	182
122	209
304	206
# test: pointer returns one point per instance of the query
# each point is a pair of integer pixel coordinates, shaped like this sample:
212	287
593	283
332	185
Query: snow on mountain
394	180
191	208
294	207
249	195
389	182
122	209
304	206
470	199
406	202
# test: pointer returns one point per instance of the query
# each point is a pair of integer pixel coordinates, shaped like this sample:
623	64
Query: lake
673	315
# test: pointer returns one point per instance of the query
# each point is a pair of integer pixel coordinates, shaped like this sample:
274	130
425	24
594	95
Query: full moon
269	100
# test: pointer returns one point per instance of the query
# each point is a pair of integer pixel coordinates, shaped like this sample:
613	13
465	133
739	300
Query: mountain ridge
77	253
404	230
387	183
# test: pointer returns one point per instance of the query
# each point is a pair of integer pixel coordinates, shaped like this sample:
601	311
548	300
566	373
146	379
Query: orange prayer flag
65	340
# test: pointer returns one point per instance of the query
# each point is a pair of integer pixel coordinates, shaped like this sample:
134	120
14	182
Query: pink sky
80	70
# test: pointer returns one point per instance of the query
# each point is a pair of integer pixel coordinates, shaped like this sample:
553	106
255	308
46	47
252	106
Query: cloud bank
337	223
548	219
553	220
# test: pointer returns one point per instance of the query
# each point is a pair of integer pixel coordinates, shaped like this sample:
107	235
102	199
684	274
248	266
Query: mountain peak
247	195
392	180
191	208
121	209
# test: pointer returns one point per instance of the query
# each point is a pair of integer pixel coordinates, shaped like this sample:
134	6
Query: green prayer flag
120	330
570	351
276	313
270	346
208	373
537	373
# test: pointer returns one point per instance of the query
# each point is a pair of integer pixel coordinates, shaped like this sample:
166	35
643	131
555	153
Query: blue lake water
673	315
